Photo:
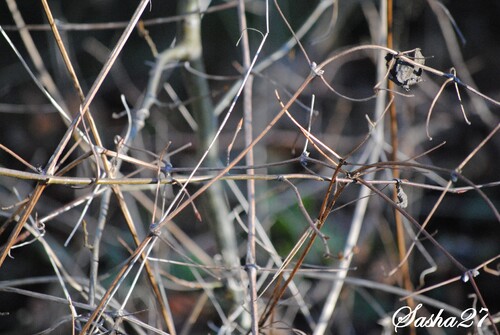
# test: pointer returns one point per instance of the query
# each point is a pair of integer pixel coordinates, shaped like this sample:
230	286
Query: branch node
304	158
251	266
315	71
469	274
154	229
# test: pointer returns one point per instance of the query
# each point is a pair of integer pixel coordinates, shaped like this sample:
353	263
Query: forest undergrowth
249	167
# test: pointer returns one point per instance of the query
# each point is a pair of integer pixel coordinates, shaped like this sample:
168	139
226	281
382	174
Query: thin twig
250	261
67	26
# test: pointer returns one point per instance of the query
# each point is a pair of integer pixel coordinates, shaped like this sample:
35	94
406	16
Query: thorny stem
462	268
361	206
329	200
404	58
107	194
45	181
51	165
238	158
99	309
86	102
106	198
400	231
459	265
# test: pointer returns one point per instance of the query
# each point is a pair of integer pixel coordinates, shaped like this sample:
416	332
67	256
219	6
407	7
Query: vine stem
400	230
251	267
52	164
